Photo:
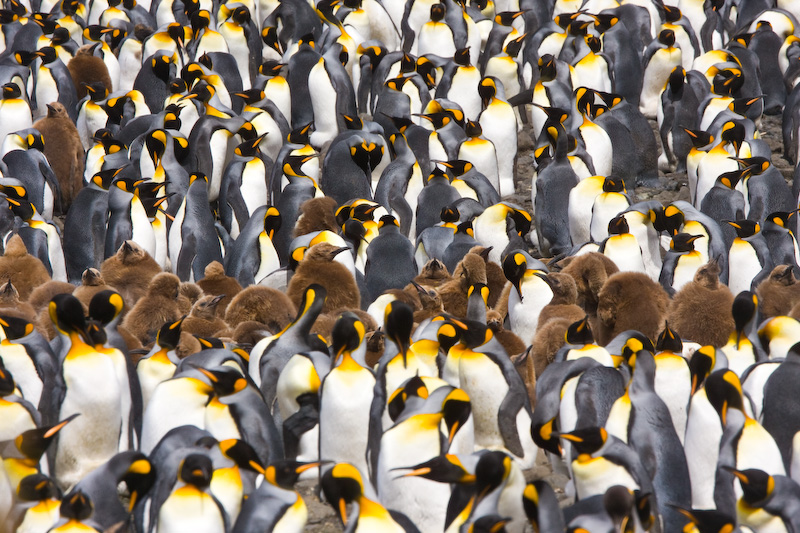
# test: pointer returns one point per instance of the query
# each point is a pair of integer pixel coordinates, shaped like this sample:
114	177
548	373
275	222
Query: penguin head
269	36
730	179
196	469
727	82
734	133
285	473
15	328
635	343
139	477
667	38
11	91
33	443
781	218
708	275
458	167
169	335
683	242
754	165
388	222
673	219
492	470
757	485
487	89
672	14
701	364
60	36
105	306
250	148
96	90
699	138
23	57
427	70
293	162
744	308
413	387
95	32
724	390
313	300
669	341
437	12
272	221
515	264
586	440
506	18
445	468
199	20
38	487
347	335
579	333
676	80
473	129
456	410
741	106
613	185
547	68
342	485
744	228
461	57
77	506
618	225
604	22
397	325
66	312
14	191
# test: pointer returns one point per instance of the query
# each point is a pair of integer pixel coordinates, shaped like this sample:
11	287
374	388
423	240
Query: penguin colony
249	243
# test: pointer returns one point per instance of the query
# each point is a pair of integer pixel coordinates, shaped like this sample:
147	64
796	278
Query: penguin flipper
507	421
299	423
404	522
51	180
188	252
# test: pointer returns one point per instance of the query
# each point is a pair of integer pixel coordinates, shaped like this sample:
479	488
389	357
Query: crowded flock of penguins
255	242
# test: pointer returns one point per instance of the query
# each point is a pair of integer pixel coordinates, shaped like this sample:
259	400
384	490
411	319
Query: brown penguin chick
495	278
261	304
779	293
248	333
41	295
154	309
565	296
203	320
407	295
187	345
430	303
129	271
92	282
63	150
215	282
590	271
25	271
86	68
188	295
434	274
375	344
316	214
548	340
325	322
318	266
510	341
701	310
471	270
630	300
11	305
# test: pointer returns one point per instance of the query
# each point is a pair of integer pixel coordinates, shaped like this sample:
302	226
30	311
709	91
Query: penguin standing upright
244	186
749	259
86	249
99	404
91	115
193	239
660	59
551	200
499	125
390	259
345	398
54	84
15	112
63	149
